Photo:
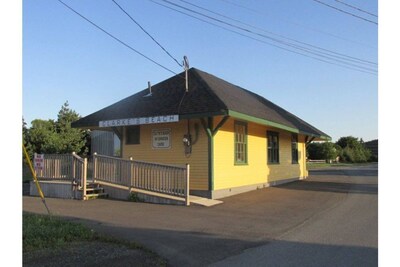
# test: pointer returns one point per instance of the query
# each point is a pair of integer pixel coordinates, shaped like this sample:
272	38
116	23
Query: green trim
322	137
242	116
246	160
219	125
208	129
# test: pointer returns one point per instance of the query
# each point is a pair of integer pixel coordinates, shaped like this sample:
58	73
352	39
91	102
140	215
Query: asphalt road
344	235
330	219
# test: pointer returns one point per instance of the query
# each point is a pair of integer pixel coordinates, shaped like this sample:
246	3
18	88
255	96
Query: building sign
38	161
139	121
161	138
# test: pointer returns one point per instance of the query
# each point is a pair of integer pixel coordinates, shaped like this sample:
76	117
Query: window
240	143
273	147
133	135
295	150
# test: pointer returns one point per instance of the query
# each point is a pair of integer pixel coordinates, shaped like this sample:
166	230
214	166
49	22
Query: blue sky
67	59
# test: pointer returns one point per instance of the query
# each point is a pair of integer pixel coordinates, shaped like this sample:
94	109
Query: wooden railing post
132	173
187	189
85	165
73	166
94	167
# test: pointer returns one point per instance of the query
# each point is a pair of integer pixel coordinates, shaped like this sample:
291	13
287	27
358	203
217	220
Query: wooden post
131	172
187	189
94	166
73	166
84	178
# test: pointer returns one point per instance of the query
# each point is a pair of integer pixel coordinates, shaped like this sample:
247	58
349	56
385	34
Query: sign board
161	138
38	161
139	121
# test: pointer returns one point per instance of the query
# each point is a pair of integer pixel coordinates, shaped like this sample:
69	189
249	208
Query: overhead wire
357	68
116	38
148	34
307	50
357	8
340	55
345	12
297	24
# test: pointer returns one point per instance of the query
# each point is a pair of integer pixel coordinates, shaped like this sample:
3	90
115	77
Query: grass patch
312	166
42	231
53	233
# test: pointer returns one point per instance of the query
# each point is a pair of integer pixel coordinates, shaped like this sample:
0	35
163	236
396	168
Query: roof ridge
208	87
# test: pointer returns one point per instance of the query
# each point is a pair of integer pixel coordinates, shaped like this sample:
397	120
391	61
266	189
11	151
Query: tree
318	151
72	139
49	136
329	151
354	149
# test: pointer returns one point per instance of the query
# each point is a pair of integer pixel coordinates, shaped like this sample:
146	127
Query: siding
229	175
175	154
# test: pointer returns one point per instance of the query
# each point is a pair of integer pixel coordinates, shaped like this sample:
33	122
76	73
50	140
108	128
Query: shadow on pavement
334	187
185	248
289	253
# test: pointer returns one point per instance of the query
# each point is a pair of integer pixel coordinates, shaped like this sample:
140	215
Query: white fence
162	178
155	177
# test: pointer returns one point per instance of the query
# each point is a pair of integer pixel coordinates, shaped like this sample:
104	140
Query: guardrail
161	178
61	167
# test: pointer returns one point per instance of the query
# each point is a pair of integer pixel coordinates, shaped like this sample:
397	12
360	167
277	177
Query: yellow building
234	140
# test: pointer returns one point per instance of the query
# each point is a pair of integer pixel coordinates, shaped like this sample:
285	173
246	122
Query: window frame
134	129
273	150
295	148
244	144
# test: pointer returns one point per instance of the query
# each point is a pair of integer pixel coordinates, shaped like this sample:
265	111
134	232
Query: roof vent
149	86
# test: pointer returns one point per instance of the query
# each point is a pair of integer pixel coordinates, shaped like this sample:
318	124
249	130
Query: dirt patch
92	254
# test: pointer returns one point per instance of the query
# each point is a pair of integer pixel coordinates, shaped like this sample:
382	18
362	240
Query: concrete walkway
199	236
206	202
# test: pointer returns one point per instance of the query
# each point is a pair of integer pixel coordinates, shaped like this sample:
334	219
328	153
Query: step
94	196
94	189
93	185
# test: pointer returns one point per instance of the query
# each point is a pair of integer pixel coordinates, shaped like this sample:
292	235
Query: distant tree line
56	136
346	149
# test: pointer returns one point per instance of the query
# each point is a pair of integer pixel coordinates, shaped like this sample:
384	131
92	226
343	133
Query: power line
297	24
357	8
115	38
304	49
148	34
329	52
343	11
356	68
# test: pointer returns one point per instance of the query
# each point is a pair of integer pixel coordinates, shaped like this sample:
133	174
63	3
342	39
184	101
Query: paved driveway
198	236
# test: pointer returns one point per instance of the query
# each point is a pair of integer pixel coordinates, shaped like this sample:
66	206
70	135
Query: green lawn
312	166
41	231
44	235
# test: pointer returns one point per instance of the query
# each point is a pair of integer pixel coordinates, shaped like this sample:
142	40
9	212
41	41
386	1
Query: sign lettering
139	121
38	161
161	138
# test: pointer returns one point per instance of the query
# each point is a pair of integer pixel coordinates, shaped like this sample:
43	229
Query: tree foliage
348	149
322	151
49	136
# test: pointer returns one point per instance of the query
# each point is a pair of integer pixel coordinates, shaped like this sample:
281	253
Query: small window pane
273	147
133	135
240	142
